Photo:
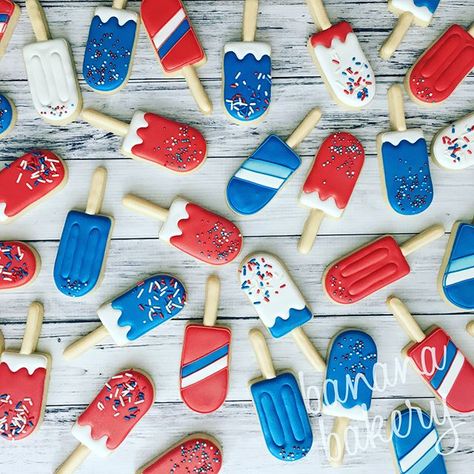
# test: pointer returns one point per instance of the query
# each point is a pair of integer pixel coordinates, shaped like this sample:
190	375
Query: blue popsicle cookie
7	115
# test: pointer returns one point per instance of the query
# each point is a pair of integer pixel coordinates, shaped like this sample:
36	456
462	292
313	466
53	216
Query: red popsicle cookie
19	264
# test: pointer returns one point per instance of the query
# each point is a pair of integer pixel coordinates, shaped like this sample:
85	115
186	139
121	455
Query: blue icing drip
6	114
81	253
297	318
108	53
432	5
250	192
407	176
283	417
149	304
247	86
353	352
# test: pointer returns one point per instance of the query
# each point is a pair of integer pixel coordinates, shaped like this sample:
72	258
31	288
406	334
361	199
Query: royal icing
422	10
201	233
171	34
247	80
18	264
81	253
148	304
27	180
174	145
334	173
109	50
53	81
6	115
453	147
204	375
283	417
261	176
406	170
118	407
438	72
7	11
344	65
275	296
365	271
350	375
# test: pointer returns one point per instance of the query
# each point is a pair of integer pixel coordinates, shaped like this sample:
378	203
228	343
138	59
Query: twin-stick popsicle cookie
373	266
404	161
344	68
84	243
444	368
330	183
20	264
154	139
24	379
9	15
8	115
120	405
176	44
110	48
134	313
200	233
247	72
51	72
419	12
442	67
205	359
261	176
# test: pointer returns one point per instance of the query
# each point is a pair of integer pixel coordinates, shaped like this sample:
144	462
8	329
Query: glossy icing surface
421	9
365	271
336	168
81	253
274	295
283	417
6	112
204	376
7	10
261	176
18	264
247	80
171	33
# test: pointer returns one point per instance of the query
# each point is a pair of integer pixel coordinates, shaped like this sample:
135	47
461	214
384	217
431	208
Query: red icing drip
21	401
207	236
173	145
443	66
18	264
336	168
365	271
326	37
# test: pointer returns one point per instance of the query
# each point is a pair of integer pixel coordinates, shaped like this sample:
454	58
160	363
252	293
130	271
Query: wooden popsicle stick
469	328
75	459
390	45
423	238
262	352
145	207
2	342
83	344
119	4
213	289
310	231
471	30
308	349
197	90
249	27
319	14
304	128
396	108
337	441
33	328
97	191
405	319
38	20
104	122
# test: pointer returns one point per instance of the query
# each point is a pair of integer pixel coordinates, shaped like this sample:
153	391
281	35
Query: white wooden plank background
135	251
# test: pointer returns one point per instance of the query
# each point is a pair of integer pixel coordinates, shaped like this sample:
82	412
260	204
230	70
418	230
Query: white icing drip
355	413
132	138
109	317
176	213
313	201
31	362
123	16
3	216
83	433
422	13
411	136
242	48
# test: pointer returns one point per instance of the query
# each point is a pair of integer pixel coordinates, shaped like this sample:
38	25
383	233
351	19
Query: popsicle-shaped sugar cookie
9	15
344	68
247	72
110	48
176	44
261	176
192	229
8	115
51	72
20	264
83	247
24	379
404	161
373	266
148	304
